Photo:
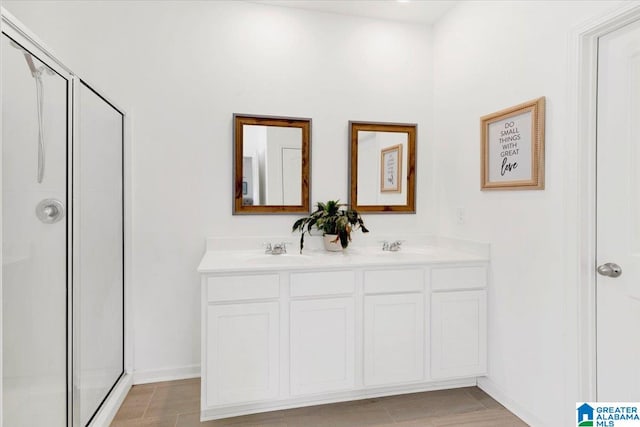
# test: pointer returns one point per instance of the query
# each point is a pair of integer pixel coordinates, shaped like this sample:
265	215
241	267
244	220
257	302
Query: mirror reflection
272	164
382	157
383	167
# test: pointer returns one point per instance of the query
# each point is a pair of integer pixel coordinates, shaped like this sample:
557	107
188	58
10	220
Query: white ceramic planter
332	243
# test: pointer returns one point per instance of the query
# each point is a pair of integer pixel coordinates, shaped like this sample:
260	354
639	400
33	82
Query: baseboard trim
233	410
493	390
110	407
169	374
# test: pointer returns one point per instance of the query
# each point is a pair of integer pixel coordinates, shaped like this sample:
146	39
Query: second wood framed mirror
383	167
271	157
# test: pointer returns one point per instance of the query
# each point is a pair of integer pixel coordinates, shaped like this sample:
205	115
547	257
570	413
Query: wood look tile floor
177	404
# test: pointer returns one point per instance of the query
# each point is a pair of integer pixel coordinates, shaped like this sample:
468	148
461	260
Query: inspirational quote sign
510	150
513	147
391	169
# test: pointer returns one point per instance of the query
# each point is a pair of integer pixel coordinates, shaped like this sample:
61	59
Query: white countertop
218	261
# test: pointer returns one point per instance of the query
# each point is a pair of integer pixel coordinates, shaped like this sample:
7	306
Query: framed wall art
391	169
512	148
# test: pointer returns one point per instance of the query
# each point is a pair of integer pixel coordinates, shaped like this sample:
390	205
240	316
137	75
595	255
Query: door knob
610	269
50	211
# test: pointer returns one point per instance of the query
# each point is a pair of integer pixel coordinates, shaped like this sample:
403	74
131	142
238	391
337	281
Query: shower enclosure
62	240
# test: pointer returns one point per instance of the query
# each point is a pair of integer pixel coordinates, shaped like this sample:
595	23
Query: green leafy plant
331	217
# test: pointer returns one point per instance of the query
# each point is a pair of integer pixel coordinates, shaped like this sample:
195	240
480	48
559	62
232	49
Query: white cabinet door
458	334
393	338
322	345
242	353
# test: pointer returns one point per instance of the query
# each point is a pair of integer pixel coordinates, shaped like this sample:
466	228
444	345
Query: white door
618	211
291	176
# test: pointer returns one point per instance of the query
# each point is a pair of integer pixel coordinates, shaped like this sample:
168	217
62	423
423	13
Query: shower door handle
50	211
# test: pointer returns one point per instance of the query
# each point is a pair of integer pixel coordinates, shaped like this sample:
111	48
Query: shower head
35	71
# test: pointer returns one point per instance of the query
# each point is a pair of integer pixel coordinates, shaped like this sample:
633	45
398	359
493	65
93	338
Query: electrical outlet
460	215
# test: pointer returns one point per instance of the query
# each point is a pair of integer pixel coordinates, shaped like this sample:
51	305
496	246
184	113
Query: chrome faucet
392	247
275	248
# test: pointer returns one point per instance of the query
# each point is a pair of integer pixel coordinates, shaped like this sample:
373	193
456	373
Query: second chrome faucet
275	248
392	246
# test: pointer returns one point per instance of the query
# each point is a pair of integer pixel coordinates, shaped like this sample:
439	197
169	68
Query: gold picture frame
391	169
512	148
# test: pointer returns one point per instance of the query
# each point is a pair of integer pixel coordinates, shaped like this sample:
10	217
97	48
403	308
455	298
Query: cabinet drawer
322	283
384	281
234	288
450	278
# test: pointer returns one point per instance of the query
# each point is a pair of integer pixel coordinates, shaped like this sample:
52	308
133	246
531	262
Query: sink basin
253	258
278	259
310	257
405	251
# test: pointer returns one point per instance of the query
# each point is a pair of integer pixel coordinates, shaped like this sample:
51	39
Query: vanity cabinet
283	337
394	321
242	361
322	345
322	332
458	334
242	336
458	322
393	338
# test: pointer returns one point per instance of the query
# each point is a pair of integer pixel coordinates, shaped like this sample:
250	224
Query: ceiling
416	11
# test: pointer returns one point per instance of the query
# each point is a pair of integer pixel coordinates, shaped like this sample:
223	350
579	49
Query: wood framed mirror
271	158
382	164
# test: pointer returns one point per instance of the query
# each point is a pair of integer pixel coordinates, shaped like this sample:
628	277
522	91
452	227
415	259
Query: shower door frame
14	29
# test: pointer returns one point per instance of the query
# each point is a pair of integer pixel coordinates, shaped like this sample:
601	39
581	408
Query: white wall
489	56
183	68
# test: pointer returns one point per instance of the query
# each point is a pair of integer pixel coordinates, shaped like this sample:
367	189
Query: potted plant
335	220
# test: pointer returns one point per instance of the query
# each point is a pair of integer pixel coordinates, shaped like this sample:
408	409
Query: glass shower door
98	251
34	239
